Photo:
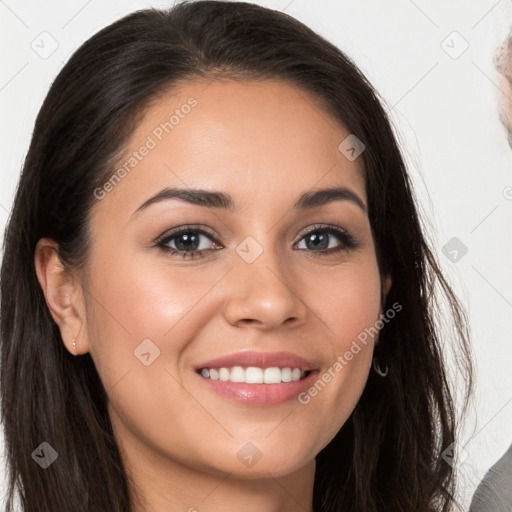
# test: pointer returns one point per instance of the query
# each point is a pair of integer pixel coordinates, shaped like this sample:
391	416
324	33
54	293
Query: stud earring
74	348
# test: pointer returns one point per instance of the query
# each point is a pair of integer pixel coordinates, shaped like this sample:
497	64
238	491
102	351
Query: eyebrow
214	199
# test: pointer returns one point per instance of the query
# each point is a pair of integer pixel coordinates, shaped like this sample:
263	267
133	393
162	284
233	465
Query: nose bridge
261	287
261	266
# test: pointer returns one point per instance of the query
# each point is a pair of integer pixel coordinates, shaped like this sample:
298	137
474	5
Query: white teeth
254	375
237	374
272	375
286	374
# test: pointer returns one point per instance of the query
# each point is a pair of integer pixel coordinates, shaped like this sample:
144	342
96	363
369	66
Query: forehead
264	142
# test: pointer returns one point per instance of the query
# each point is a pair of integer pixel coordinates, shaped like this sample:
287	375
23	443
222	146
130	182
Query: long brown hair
387	456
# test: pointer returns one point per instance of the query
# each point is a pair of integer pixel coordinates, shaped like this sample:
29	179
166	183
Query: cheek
350	307
138	301
347	300
355	304
135	303
131	302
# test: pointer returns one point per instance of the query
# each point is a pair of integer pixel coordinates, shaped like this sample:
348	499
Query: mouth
258	378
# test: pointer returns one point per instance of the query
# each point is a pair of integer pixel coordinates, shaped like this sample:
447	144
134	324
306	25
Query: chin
255	460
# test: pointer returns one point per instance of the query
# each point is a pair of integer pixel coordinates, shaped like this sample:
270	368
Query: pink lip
260	394
258	359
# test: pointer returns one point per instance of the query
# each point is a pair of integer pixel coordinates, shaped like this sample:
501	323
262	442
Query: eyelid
186	227
200	228
309	229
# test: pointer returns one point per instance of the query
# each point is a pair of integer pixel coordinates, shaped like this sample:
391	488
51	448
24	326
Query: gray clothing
494	493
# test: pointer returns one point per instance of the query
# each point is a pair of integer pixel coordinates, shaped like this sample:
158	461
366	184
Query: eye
187	242
320	238
190	242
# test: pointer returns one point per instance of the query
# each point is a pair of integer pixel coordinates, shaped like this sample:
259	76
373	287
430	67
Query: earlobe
62	292
386	282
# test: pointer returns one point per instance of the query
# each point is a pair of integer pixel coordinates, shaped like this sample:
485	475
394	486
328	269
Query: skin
264	144
503	62
505	105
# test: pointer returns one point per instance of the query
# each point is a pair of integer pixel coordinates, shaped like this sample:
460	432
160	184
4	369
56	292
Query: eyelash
348	242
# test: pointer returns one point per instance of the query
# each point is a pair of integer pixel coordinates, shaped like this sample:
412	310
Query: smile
257	378
254	375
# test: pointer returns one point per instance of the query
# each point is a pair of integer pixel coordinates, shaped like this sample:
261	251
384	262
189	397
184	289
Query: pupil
318	241
190	241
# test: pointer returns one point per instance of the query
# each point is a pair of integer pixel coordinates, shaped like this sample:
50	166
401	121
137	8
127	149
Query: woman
216	293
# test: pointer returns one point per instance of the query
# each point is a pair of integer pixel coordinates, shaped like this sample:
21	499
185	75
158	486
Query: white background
444	108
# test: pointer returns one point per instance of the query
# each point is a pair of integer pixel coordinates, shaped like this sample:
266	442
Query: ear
63	293
386	282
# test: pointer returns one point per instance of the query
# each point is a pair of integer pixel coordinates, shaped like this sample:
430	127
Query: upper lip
258	359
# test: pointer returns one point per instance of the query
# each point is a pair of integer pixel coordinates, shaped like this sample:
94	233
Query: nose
261	294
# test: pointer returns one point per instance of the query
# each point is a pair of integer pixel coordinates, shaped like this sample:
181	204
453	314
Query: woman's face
274	286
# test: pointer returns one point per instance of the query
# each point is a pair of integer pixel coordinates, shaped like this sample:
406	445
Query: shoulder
494	493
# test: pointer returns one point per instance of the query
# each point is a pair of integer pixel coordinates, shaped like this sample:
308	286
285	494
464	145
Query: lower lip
260	394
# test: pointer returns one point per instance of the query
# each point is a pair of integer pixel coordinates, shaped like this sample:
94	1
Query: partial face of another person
503	62
257	285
